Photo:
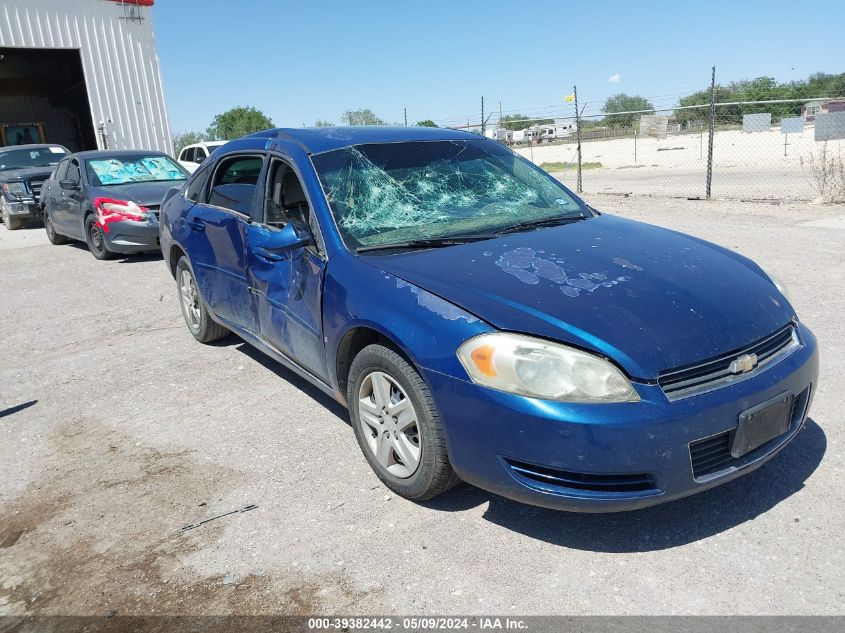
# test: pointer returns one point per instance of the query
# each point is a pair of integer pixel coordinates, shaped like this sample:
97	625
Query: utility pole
712	129
406	116
482	117
580	187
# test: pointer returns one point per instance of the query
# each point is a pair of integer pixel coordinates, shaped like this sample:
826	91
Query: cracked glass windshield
397	192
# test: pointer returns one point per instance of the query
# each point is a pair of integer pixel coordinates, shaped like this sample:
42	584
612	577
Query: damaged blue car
482	323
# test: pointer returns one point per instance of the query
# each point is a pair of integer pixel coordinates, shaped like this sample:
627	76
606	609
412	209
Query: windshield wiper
433	242
536	224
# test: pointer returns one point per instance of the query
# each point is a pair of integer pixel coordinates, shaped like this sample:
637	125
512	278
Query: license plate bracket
762	424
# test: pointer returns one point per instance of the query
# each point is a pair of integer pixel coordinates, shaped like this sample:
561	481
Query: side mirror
70	185
289	238
199	159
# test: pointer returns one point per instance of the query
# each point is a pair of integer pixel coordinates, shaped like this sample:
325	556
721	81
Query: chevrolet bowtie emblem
743	364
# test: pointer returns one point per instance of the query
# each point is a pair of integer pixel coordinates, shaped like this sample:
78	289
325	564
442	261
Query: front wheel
97	239
197	318
397	425
12	224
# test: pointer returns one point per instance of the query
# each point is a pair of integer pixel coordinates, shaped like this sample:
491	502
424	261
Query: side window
61	170
285	200
200	155
196	185
187	155
73	171
233	186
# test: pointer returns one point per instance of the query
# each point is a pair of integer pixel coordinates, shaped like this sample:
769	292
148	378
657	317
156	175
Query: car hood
25	173
143	193
649	298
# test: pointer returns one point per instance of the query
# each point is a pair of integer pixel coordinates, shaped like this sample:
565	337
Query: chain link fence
768	154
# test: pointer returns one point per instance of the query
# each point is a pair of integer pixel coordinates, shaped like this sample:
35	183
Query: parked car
23	169
109	199
192	156
481	322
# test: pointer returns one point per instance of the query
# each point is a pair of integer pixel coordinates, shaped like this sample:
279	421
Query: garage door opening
42	92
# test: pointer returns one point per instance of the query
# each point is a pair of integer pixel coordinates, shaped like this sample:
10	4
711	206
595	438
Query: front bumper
130	236
611	457
26	209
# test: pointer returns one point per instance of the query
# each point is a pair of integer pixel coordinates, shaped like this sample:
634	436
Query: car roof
108	153
316	140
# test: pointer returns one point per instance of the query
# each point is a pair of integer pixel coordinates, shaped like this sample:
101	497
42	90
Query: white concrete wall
119	60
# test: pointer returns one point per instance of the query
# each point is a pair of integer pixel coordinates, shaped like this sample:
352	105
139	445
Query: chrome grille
35	187
719	372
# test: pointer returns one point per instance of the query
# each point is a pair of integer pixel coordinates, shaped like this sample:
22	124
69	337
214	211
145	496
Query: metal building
83	73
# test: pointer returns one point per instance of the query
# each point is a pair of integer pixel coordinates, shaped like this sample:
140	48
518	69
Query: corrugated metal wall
119	60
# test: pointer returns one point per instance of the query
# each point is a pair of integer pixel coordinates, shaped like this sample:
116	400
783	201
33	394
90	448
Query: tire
12	224
432	473
96	240
54	237
194	309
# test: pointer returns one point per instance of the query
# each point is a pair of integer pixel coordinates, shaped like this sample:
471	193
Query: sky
312	59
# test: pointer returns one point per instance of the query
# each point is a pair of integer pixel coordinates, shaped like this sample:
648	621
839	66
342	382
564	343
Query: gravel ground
117	429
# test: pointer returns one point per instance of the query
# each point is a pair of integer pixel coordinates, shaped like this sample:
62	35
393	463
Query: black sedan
109	199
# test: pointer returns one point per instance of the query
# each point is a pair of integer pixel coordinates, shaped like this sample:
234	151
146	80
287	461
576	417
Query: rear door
218	225
288	285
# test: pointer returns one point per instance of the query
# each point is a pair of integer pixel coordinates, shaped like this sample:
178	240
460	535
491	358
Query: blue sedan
482	323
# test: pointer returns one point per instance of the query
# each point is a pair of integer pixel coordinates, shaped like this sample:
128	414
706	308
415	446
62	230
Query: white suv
192	155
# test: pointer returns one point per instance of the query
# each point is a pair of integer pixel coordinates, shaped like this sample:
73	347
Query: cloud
615	78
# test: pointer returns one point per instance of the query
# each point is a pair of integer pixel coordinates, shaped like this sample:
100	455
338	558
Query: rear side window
196	186
234	183
187	155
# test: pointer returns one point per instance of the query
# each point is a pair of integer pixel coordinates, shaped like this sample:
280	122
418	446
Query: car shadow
294	379
121	259
660	527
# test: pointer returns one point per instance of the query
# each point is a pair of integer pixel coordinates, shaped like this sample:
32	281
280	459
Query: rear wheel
54	237
397	425
97	240
197	318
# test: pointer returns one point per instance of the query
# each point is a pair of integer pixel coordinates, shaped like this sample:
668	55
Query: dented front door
287	287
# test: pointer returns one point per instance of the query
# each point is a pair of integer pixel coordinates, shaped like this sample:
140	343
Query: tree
364	116
427	123
625	103
238	122
521	122
759	89
323	123
183	139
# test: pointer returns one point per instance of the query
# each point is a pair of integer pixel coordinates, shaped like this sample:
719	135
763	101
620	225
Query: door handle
269	256
196	225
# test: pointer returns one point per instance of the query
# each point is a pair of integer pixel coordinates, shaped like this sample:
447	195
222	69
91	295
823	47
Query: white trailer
85	72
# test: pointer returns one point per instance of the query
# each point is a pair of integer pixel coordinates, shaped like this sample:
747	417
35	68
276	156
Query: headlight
540	369
14	187
780	286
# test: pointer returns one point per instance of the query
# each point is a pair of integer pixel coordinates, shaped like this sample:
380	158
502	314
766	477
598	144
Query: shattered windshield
120	170
394	192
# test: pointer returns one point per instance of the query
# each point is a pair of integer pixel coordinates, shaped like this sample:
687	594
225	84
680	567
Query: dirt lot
117	429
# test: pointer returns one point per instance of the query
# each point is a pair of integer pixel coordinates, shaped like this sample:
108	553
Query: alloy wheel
190	299
389	422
